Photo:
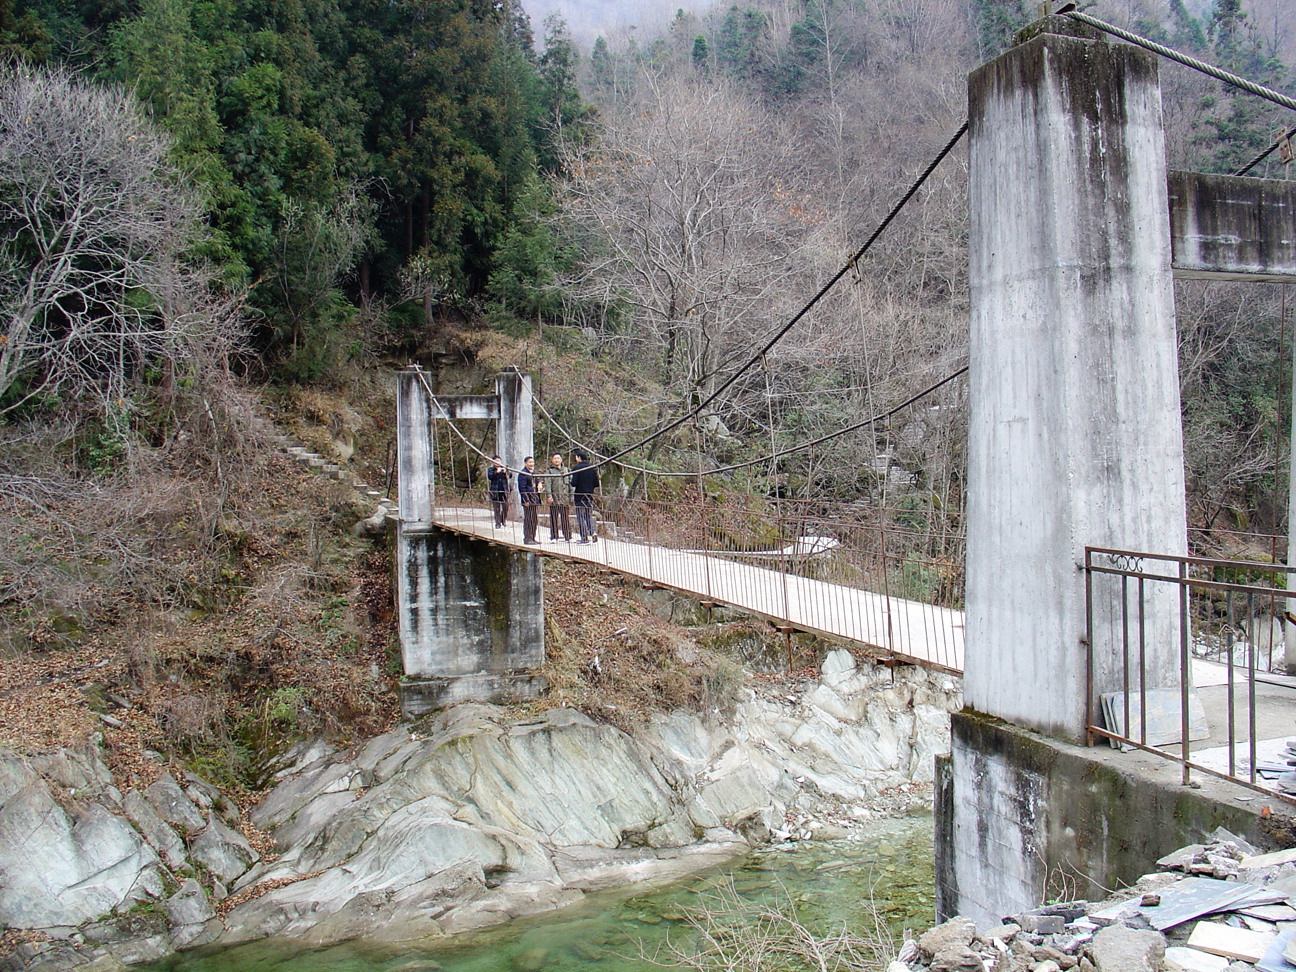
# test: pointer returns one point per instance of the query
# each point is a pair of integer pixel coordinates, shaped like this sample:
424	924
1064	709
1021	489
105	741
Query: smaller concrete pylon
514	437
415	475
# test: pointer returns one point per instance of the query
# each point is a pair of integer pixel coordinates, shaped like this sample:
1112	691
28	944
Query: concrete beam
457	407
1075	435
1232	228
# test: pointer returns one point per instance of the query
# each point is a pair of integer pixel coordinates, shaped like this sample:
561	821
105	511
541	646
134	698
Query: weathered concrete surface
467	607
514	436
1075	433
414	427
1018	810
418	697
470	615
1230	228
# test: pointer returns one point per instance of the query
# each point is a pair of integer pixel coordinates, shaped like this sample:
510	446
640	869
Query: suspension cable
732	466
1286	134
1258	90
778	336
844	431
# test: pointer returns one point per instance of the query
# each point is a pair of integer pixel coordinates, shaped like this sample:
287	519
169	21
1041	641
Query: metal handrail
1197	608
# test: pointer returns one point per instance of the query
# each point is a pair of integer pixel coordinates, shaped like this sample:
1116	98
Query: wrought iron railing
1225	610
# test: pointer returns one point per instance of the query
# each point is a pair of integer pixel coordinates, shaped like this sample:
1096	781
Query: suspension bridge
1075	466
838	577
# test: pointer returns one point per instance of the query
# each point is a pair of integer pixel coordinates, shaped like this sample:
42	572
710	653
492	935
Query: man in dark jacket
529	487
498	479
585	481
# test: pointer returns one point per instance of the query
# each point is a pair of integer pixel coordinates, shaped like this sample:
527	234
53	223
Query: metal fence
1137	605
890	579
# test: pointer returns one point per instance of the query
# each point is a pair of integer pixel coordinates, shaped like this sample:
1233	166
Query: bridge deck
912	631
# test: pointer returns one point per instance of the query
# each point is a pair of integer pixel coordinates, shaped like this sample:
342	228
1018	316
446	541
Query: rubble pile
1216	907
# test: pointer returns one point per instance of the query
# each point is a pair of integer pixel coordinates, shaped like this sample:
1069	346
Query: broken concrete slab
1233	943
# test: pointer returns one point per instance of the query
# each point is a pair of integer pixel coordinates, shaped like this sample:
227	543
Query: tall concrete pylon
1075	434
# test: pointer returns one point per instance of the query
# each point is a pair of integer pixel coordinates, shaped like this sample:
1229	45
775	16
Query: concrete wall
1028	819
1224	227
467	606
1075	433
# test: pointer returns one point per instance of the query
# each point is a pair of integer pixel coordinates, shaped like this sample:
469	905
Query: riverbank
466	819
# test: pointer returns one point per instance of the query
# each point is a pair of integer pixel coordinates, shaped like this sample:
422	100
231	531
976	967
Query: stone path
912	631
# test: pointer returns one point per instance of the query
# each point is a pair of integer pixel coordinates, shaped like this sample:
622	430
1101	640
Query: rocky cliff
465	819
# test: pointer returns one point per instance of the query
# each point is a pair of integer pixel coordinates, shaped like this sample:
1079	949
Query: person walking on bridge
559	488
529	488
585	481
497	476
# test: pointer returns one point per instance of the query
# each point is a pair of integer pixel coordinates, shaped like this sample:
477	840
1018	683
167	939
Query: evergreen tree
701	55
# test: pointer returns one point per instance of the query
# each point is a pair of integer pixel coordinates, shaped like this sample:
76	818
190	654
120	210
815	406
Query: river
824	884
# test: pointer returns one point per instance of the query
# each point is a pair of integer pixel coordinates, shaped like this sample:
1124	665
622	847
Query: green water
828	884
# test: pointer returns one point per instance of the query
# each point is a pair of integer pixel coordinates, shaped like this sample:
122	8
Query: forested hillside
276	202
371	174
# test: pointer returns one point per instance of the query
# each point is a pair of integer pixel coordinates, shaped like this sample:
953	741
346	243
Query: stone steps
385	511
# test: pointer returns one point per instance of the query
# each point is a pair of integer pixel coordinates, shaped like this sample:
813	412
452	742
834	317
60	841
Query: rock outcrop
465	819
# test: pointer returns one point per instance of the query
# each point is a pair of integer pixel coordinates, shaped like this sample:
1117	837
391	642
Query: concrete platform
1275	716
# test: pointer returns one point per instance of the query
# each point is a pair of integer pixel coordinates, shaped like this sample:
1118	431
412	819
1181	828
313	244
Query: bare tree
92	222
688	204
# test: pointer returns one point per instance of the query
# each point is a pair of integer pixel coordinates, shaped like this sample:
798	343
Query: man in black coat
529	488
497	476
585	482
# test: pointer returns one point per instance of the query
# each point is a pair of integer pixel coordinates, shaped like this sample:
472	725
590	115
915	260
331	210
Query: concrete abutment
1023	818
1076	232
470	613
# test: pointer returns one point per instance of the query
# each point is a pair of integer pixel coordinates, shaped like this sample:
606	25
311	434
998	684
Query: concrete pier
470	613
1075	439
1075	432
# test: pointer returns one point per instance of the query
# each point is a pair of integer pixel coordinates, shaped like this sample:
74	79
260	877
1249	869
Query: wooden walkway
911	631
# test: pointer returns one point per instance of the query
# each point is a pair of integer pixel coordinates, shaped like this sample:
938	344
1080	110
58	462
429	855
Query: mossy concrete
1022	818
470	611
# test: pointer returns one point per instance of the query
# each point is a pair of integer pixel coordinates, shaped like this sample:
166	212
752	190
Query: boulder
222	851
957	958
61	870
165	841
173	806
838	666
955	933
1121	949
189	905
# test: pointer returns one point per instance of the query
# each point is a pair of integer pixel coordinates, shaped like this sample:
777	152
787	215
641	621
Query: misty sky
586	19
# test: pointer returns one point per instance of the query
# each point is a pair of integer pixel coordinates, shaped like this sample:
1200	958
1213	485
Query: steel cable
1220	74
778	336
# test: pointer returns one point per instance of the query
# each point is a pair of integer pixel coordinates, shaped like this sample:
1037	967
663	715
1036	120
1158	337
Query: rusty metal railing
1209	608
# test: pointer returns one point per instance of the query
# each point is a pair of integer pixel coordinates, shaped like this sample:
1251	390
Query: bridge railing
763	556
1220	610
